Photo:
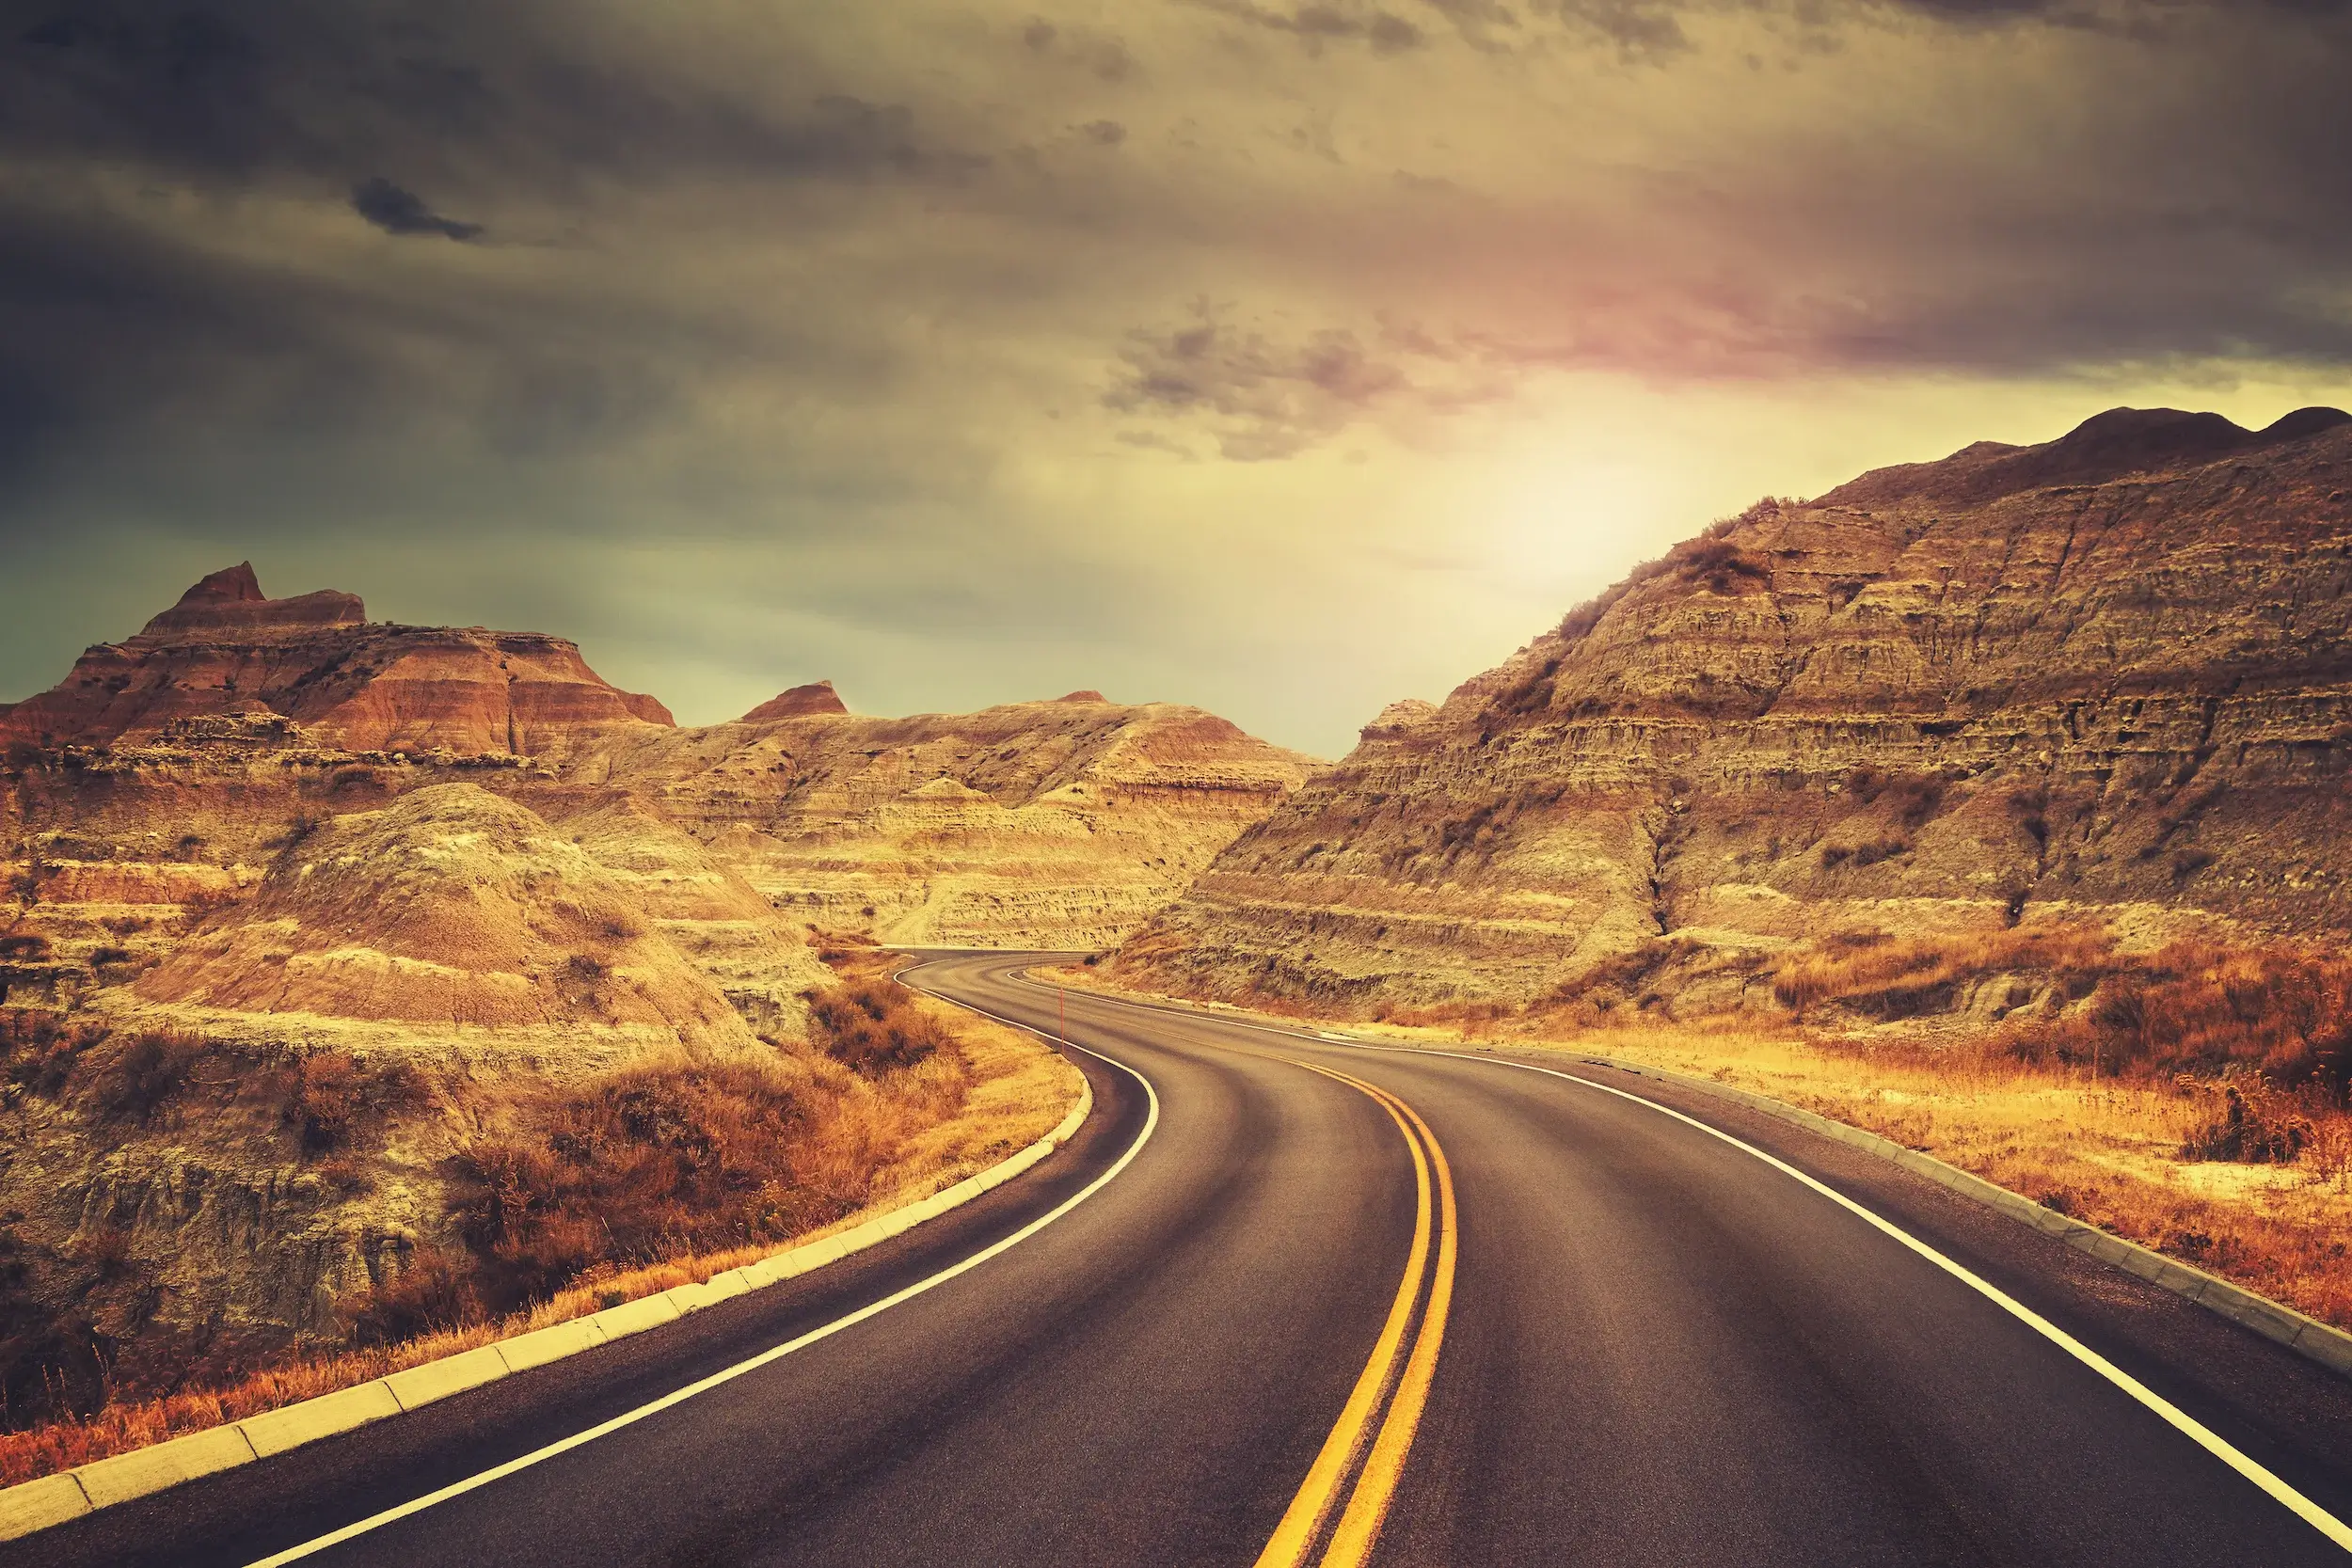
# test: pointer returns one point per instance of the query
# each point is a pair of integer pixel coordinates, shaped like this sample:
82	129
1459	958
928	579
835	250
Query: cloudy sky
1282	357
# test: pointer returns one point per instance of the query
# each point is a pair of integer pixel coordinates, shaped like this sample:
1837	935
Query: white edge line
2180	1420
679	1396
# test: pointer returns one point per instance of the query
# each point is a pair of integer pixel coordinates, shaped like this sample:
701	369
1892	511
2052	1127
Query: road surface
1288	1301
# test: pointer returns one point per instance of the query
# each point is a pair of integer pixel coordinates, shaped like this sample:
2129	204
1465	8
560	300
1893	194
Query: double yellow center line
1358	1462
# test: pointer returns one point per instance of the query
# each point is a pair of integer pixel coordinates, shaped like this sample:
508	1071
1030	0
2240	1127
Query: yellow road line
1383	1469
1295	1536
1360	1527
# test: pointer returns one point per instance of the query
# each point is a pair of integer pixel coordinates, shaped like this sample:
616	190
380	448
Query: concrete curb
57	1499
2306	1336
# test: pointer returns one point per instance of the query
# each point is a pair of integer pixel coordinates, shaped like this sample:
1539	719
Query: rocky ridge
227	654
2107	678
1030	824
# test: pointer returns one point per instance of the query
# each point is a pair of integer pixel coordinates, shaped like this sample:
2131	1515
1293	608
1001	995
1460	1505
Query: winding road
1288	1300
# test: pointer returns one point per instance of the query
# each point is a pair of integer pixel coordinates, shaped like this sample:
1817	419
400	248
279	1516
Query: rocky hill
1032	824
226	652
2105	680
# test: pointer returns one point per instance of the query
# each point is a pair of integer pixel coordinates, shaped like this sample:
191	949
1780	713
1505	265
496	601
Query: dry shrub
2282	1013
432	1293
300	829
41	1046
873	1027
2253	1121
144	1073
322	1095
2328	1158
1723	566
645	1164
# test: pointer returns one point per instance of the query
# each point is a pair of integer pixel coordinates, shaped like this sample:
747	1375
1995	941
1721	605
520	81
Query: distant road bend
1287	1300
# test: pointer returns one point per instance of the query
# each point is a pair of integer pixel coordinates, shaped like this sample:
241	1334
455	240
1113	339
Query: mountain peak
232	599
799	701
2112	445
230	584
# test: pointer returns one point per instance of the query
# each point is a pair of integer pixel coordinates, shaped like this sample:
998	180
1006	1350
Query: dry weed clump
647	1164
873	1026
1880	977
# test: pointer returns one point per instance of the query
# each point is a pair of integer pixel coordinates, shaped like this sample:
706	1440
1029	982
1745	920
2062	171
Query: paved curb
55	1500
2308	1337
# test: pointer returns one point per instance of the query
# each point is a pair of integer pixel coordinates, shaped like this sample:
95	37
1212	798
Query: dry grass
983	1092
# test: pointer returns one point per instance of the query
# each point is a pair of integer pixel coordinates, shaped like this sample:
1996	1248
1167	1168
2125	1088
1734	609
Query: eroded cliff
225	649
2105	678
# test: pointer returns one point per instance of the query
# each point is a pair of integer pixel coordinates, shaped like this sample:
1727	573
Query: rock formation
2106	677
1060	824
799	701
462	917
225	651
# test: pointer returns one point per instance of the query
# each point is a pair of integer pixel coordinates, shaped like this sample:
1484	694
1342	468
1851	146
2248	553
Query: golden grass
1012	1091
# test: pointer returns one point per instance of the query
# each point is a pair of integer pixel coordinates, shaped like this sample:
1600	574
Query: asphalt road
1657	1348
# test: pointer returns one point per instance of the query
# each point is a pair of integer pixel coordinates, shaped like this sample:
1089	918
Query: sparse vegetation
1723	567
144	1073
322	1095
873	1027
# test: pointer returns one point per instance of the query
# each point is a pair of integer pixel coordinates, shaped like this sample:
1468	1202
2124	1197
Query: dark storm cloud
401	211
1385	31
256	88
1102	54
1265	394
880	284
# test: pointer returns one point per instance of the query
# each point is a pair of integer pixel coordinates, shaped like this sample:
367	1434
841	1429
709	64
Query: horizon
694	718
1282	360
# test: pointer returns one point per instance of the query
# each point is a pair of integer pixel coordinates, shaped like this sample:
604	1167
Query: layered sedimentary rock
1060	824
2109	676
392	982
463	918
799	701
226	652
